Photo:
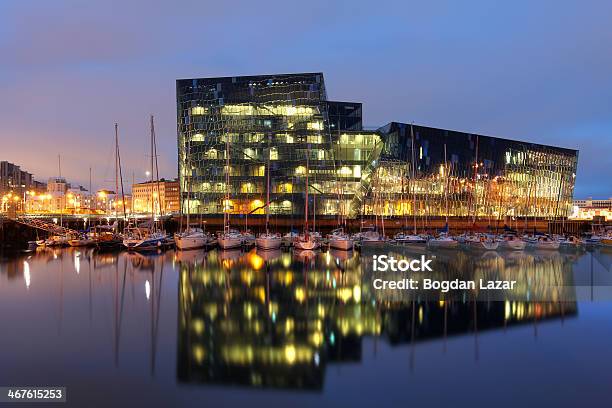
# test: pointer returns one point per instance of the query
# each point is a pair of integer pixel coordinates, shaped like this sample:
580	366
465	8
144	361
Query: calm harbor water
253	328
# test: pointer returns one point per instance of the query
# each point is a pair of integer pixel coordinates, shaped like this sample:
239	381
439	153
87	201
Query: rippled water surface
252	328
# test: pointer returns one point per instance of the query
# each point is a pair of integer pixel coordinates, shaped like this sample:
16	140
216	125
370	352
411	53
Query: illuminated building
396	170
590	209
12	178
161	197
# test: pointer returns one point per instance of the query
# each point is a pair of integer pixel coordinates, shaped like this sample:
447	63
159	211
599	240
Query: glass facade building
276	121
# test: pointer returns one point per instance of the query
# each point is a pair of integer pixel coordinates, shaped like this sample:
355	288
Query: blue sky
537	71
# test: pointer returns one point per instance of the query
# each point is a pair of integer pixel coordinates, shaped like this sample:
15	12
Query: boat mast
474	201
188	187
413	183
156	167
118	172
226	216
59	165
446	188
306	204
268	188
152	170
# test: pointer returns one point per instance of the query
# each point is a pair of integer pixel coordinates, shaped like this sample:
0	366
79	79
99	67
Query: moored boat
512	242
191	238
141	239
545	242
230	239
482	242
340	240
81	241
402	238
443	241
268	240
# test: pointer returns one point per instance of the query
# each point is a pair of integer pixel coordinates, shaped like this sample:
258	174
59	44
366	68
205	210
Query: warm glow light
26	273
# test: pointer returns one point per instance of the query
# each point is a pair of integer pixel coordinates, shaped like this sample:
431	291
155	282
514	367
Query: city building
15	186
590	209
273	123
159	197
12	178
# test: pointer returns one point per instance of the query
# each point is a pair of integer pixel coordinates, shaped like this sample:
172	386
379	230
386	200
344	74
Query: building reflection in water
277	320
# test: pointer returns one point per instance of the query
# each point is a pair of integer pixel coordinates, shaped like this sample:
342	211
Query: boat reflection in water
277	320
289	320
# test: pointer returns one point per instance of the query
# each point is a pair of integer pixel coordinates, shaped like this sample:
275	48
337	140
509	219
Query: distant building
12	178
592	208
161	197
16	186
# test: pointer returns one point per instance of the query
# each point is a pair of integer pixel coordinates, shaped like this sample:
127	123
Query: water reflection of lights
26	273
317	308
255	260
77	262
147	289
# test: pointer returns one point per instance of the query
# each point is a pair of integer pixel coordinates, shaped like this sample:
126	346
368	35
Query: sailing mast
118	173
306	204
446	188
413	183
59	165
268	188
188	187
116	170
152	170
159	200
474	201
226	216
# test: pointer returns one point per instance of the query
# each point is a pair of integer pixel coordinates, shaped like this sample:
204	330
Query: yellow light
290	353
255	261
357	293
101	194
198	110
300	295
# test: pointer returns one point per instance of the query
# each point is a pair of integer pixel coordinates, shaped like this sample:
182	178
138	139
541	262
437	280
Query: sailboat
404	238
306	241
268	240
106	236
190	238
483	242
444	240
512	242
145	239
228	239
340	240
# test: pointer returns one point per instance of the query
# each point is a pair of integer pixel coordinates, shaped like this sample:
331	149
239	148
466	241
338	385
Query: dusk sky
536	71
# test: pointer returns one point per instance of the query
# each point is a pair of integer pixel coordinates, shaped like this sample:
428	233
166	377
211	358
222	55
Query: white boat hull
343	244
148	244
515	245
435	243
484	245
546	245
308	245
268	242
229	243
190	242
